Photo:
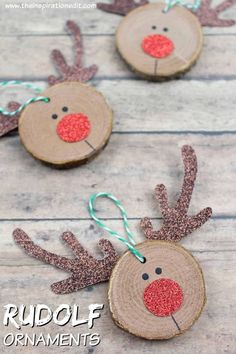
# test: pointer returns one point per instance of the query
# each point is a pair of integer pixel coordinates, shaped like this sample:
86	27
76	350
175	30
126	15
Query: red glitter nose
73	127
157	46
163	297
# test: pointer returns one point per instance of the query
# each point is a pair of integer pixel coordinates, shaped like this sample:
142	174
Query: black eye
65	109
145	276
154	27
158	270
165	29
54	116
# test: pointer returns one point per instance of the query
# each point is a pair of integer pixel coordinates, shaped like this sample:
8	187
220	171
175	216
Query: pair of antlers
87	270
207	16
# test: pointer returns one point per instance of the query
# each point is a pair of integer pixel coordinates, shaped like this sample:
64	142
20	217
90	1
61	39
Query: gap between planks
130	78
84	34
217	217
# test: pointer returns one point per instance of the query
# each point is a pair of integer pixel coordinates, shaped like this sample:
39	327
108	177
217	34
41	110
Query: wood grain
152	122
36	67
167	106
48	235
159	161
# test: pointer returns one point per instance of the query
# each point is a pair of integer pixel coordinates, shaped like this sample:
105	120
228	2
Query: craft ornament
73	123
156	288
160	41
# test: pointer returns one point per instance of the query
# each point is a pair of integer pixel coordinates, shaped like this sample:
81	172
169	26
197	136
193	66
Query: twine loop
191	6
130	243
28	102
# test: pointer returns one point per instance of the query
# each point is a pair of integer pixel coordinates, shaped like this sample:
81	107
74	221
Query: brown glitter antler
121	7
9	123
176	222
85	269
209	16
76	72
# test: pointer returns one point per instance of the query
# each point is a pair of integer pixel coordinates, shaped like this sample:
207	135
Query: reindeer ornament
156	288
160	41
72	122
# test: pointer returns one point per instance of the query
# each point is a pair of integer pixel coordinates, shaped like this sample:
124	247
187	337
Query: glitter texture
176	222
73	127
121	7
163	297
86	270
209	16
157	46
8	123
76	72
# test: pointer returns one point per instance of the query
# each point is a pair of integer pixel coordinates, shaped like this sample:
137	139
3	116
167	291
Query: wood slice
69	130
173	41
129	291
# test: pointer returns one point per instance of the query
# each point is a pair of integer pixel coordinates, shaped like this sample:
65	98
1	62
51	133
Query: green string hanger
130	243
28	102
191	6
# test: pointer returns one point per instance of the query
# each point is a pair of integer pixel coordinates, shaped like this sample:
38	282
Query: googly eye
158	270
145	276
54	116
65	109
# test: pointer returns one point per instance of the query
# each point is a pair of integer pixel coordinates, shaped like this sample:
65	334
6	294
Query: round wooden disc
38	125
179	25
164	260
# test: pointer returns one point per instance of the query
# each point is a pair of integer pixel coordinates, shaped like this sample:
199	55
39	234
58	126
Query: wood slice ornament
70	129
163	40
159	45
156	288
72	121
160	298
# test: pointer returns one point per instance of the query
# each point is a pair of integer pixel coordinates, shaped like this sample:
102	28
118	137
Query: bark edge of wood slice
126	288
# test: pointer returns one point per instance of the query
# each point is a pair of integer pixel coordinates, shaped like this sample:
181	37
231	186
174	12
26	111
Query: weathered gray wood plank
29	57
91	20
130	167
216	237
172	106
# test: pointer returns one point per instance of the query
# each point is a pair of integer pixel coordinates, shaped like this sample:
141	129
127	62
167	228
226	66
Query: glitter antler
9	123
176	222
86	270
121	7
209	16
75	72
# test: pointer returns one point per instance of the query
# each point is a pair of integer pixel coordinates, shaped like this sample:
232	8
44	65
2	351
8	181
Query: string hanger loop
191	6
36	89
129	239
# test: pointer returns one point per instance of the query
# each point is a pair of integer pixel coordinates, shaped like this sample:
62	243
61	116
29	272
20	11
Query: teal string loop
130	243
191	6
28	102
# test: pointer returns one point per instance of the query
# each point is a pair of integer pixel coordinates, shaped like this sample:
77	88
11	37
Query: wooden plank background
144	150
